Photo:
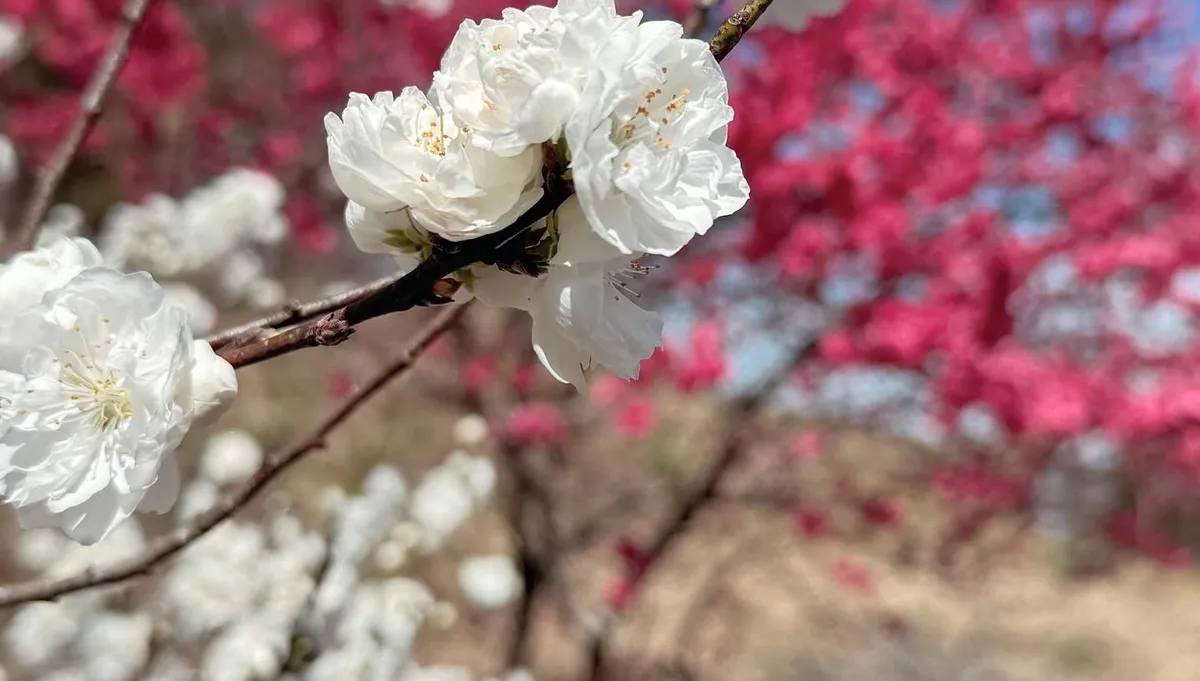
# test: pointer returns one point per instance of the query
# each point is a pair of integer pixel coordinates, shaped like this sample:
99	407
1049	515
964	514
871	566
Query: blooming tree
556	150
969	226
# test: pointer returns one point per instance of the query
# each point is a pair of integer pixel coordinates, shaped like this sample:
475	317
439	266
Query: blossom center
621	279
97	393
651	120
432	136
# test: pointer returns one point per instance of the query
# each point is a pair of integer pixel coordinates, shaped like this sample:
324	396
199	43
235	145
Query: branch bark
177	540
742	416
296	312
731	32
427	284
91	103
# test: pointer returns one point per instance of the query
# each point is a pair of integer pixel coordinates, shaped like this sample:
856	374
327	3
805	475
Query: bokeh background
928	408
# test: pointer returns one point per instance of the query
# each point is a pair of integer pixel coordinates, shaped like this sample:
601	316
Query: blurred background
928	408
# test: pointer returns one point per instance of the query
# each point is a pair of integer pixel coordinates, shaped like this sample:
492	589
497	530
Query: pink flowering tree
980	213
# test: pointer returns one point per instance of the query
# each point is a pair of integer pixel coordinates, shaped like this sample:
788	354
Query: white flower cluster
633	114
367	628
100	379
243	600
80	636
210	237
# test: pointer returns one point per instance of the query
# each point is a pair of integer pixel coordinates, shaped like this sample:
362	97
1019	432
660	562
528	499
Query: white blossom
360	522
123	543
68	674
29	275
9	166
392	233
515	81
390	610
353	662
199	496
248	651
62	220
265	293
214	382
436	673
237	573
230	456
216	580
584	309
407	154
794	15
115	646
471	430
391	555
39	633
12	40
647	141
37	550
449	494
211	234
201	314
241	206
519	674
169	667
98	385
150	236
490	581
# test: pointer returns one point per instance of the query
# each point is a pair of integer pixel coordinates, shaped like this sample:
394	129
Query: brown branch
426	284
742	416
730	33
296	312
180	538
91	103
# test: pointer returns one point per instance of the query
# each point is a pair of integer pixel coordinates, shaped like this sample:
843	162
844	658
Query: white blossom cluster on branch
210	238
630	113
272	598
100	375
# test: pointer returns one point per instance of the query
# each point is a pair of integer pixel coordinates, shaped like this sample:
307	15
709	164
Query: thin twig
91	103
180	538
741	416
730	33
426	284
295	313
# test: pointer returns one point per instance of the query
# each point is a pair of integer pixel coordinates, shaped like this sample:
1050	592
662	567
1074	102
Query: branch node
332	330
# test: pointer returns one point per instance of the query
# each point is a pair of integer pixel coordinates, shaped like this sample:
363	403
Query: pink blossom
637	418
536	423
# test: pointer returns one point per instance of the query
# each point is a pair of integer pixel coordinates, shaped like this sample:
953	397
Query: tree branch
181	537
742	415
426	284
91	103
296	312
730	33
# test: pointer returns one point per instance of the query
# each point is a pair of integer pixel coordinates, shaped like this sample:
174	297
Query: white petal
161	495
214	382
